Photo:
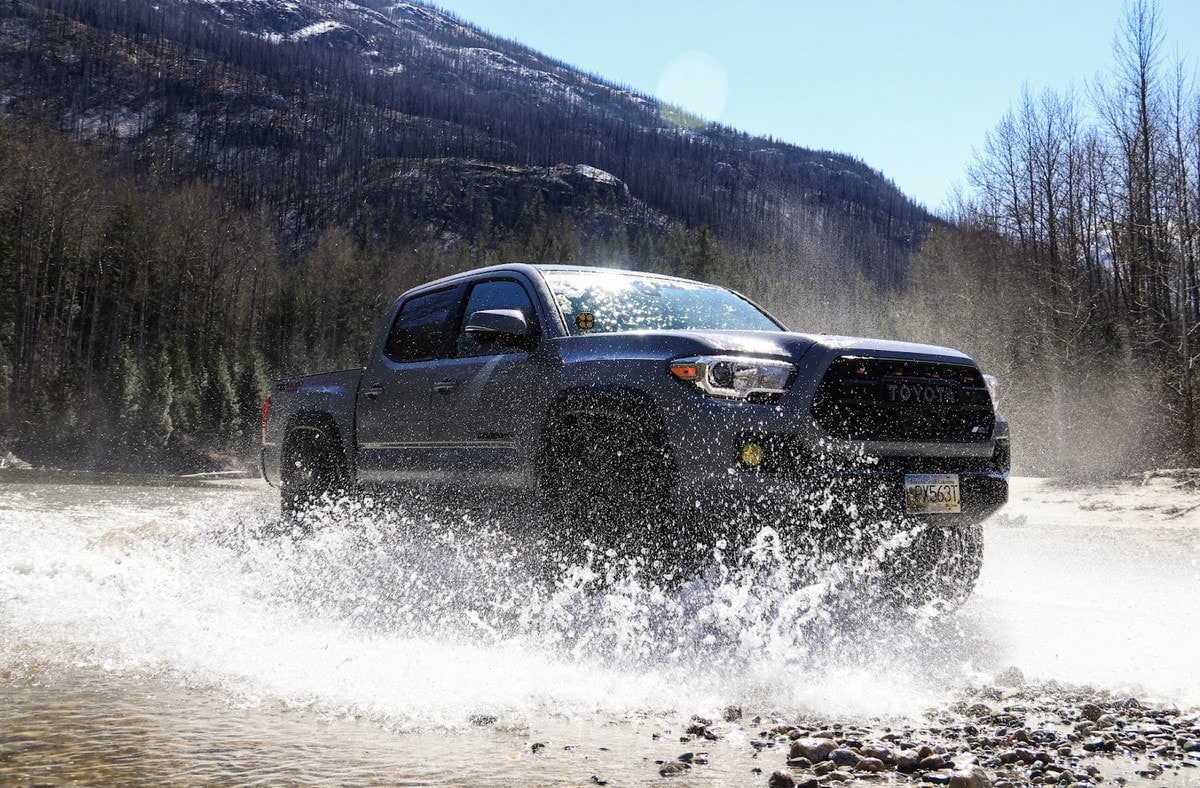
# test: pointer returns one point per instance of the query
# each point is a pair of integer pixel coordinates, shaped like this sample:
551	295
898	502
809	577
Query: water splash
427	618
425	581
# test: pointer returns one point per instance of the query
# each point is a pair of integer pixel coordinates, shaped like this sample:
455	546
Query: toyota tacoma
652	414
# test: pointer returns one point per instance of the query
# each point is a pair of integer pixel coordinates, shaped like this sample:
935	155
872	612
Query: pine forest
187	213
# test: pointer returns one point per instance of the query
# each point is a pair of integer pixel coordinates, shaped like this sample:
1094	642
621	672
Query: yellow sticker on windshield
585	321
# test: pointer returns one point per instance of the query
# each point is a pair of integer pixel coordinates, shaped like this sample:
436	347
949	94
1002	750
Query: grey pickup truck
655	414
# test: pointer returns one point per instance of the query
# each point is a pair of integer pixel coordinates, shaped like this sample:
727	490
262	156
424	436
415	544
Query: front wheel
607	478
939	567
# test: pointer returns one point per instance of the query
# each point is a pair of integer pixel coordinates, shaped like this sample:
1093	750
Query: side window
499	294
422	329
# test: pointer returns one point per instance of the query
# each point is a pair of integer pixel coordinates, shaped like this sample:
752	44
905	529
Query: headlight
993	387
733	377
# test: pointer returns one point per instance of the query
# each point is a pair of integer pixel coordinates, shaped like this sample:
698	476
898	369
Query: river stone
974	777
671	768
781	780
844	757
870	765
1100	745
907	761
1025	756
979	710
816	750
932	763
884	754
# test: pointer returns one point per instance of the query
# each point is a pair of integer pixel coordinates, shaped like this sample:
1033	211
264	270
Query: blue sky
911	87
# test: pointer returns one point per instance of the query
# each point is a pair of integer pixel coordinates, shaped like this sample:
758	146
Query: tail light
266	416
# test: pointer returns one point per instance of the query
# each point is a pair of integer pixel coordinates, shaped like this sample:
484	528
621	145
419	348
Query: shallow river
155	634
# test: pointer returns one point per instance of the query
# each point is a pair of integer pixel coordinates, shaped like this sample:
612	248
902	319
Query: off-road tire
312	471
940	566
607	477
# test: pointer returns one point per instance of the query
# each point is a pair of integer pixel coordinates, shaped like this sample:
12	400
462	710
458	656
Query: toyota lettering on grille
921	393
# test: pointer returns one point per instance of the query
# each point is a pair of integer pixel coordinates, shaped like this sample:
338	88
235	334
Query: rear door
398	440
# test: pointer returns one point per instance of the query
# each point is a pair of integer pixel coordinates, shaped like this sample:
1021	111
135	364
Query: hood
782	345
794	346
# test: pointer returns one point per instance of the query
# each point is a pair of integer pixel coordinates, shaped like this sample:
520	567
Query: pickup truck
652	414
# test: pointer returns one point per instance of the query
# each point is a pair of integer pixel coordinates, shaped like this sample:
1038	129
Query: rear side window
422	328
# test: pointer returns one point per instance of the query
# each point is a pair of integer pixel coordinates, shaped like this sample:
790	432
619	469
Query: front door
489	397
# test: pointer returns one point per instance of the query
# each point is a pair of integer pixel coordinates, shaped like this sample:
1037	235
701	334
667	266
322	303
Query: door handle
374	391
445	386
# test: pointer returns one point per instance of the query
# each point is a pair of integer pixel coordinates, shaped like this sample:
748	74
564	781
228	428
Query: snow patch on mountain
315	30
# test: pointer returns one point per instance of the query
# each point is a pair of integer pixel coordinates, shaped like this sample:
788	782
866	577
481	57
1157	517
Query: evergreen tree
127	386
251	387
157	394
186	412
219	405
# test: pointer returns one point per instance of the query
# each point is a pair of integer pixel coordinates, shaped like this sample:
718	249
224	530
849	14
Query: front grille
880	399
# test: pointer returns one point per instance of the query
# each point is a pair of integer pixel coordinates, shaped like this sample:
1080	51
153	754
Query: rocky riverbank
1005	735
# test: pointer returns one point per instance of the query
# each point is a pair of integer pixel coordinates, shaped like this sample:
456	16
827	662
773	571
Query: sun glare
695	82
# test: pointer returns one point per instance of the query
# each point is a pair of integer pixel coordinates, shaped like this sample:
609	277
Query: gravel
1005	735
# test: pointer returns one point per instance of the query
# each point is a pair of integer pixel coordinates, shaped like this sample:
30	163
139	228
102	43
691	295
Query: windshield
601	302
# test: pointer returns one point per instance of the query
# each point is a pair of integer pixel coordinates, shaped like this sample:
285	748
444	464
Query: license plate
928	493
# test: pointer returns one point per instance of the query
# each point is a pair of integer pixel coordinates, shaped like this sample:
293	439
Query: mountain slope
401	118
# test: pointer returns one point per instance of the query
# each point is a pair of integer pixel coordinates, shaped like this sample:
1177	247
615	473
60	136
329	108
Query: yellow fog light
753	454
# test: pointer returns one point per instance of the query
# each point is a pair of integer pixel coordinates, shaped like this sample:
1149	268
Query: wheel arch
623	400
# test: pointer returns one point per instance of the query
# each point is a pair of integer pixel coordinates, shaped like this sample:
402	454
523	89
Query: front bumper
811	477
836	496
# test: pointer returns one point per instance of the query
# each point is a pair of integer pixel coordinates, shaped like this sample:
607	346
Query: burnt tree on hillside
301	125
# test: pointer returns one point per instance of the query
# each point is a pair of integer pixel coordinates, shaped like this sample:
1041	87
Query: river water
155	633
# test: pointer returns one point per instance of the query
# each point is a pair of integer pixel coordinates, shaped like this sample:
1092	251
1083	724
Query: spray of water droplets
424	616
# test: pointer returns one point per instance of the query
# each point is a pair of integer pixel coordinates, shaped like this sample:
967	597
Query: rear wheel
312	470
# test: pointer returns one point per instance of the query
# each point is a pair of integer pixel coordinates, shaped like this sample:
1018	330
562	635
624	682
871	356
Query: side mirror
490	324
